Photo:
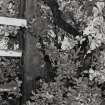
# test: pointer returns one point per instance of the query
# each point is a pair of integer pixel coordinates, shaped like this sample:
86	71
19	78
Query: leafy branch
58	20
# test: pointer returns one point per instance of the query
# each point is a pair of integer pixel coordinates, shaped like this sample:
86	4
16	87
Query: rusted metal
31	54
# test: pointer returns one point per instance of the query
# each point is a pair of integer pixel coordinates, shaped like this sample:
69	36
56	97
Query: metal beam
13	21
10	53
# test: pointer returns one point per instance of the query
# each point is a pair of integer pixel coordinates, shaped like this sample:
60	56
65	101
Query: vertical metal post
22	9
29	42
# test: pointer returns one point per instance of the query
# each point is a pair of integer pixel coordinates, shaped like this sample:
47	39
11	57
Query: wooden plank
13	21
10	53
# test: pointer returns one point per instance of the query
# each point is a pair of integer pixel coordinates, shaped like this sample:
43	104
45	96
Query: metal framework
18	22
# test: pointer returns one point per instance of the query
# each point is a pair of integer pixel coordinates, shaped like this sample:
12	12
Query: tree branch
58	20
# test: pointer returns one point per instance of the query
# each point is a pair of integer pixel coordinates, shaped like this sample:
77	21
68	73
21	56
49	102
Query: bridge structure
22	53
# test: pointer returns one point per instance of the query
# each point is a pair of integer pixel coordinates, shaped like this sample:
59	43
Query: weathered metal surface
32	57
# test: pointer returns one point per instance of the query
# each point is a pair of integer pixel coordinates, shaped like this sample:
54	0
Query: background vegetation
71	35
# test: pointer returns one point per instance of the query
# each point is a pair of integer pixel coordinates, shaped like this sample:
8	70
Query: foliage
76	75
79	61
